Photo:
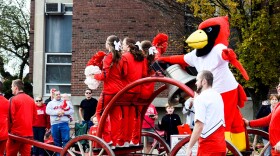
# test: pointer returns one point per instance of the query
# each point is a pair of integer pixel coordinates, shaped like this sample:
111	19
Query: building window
58	72
58	53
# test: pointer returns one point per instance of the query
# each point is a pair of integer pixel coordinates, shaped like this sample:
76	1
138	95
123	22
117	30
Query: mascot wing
228	54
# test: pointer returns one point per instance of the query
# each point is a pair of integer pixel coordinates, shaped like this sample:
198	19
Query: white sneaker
121	146
132	144
126	144
110	143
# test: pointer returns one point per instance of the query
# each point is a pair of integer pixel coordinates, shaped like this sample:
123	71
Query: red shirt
42	120
4	111
149	122
93	130
23	113
111	75
133	70
272	120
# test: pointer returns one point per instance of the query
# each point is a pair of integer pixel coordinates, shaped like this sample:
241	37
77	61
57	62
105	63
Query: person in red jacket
40	125
4	110
272	120
112	84
22	115
134	69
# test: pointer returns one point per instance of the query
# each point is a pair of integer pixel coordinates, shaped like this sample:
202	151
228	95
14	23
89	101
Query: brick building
63	41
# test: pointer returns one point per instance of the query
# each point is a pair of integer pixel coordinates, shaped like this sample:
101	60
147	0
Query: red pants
101	105
127	124
212	154
116	120
136	132
2	147
13	147
213	144
233	117
274	153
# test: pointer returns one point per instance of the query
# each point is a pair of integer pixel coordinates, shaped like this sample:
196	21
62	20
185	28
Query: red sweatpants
233	117
274	153
136	132
103	101
13	147
2	147
112	127
214	144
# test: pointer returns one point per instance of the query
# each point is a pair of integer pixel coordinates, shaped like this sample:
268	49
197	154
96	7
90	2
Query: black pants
39	133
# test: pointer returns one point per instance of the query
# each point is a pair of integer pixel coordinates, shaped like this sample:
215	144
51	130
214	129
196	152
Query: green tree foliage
14	42
255	38
14	33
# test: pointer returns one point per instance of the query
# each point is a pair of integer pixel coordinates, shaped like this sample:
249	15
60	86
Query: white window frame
46	93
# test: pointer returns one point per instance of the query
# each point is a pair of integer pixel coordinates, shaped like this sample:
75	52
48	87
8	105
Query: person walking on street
22	114
209	127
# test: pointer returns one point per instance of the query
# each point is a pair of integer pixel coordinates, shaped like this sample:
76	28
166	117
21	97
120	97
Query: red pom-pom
160	39
96	59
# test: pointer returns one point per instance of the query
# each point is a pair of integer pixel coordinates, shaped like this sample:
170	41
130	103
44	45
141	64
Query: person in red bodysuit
23	114
272	120
4	110
111	75
134	69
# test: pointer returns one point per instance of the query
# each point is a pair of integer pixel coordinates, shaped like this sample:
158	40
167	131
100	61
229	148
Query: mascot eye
209	29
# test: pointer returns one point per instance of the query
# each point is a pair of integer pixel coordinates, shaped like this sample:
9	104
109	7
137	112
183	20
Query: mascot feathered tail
93	67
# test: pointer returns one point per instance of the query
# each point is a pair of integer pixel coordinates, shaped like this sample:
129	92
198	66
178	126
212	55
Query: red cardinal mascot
211	53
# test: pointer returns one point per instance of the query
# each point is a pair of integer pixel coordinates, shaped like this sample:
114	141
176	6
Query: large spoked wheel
86	145
255	137
157	147
181	146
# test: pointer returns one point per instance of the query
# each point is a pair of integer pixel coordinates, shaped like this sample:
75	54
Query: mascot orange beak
197	39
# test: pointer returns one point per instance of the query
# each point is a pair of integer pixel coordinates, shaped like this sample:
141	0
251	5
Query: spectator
148	124
59	128
87	108
40	125
4	110
169	123
265	110
188	110
22	115
272	120
209	127
278	89
51	96
93	129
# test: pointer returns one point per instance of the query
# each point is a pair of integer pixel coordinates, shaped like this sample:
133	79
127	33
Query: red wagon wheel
181	145
159	146
86	145
254	136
